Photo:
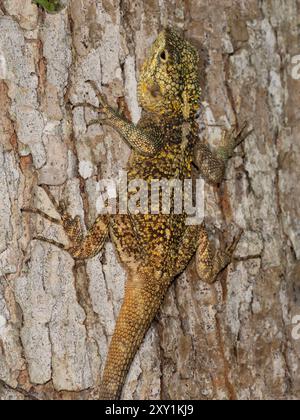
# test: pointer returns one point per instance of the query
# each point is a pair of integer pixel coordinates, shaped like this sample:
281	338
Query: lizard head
169	81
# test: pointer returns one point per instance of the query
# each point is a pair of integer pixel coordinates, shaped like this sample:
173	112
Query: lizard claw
101	98
61	206
51	197
105	109
51	242
96	121
241	134
232	139
232	247
42	214
85	105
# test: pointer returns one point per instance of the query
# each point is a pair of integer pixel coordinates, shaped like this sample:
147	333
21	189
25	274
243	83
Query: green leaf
51	6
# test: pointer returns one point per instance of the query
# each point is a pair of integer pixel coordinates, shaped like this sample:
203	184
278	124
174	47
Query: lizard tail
141	303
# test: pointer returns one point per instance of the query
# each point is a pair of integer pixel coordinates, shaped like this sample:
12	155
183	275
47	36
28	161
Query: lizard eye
164	56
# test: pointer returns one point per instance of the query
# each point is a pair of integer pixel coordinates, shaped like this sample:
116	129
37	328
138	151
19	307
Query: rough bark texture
231	340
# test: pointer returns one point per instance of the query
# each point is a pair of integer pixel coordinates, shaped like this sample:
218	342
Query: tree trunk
232	340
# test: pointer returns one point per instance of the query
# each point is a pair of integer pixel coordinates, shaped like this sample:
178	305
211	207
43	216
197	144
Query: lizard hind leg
80	247
71	226
187	249
209	263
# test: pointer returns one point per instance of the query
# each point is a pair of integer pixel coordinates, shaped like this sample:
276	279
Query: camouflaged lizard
154	248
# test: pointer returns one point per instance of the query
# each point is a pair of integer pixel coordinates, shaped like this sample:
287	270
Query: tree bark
231	340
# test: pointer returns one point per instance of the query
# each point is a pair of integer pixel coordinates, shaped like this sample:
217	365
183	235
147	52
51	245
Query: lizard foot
104	111
71	226
232	139
232	247
239	135
210	264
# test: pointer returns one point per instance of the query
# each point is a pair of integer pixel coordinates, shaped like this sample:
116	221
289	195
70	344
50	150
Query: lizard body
154	248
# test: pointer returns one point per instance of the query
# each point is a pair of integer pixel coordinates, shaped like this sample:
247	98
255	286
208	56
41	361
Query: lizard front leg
211	164
209	263
145	140
80	247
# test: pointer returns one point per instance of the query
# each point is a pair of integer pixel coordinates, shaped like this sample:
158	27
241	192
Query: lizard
154	248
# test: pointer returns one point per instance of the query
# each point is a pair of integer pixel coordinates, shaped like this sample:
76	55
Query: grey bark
232	340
